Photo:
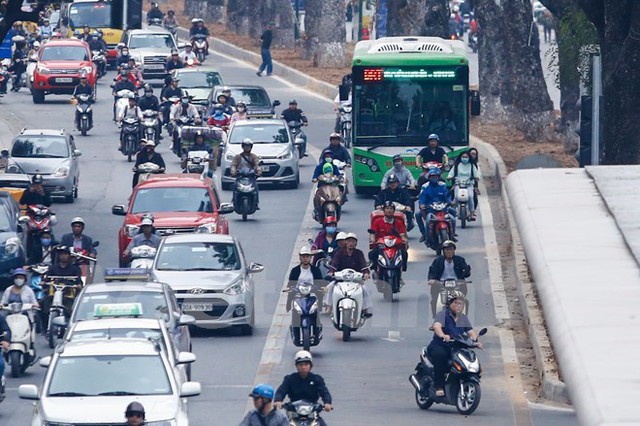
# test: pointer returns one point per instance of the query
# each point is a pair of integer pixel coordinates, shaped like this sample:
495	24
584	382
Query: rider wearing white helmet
77	240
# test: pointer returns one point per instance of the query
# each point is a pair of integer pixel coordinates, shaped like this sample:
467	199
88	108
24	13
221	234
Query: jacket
339	153
295	273
318	170
4	330
150	102
30	198
26	296
67	240
460	267
293	115
399	196
356	261
434	193
404	176
273	418
241	160
297	388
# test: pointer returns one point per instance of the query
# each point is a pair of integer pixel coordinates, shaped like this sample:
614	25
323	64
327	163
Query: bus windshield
93	14
404	112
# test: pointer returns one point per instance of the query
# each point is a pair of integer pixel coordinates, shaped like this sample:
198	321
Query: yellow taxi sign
103	310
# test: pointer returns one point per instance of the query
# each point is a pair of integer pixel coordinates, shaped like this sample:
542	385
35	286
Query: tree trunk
312	16
436	19
238	16
209	10
406	17
620	47
331	36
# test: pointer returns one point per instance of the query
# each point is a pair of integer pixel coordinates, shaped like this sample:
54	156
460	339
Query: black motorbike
462	382
303	413
83	113
181	122
98	57
306	330
151	125
299	137
130	135
245	200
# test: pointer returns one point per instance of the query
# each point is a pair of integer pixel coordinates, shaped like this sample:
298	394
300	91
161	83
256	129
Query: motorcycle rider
97	44
352	258
174	62
265	414
47	244
77	240
447	324
169	92
432	153
449	266
170	19
304	272
154	13
64	267
86	34
132	110
135	74
83	89
240	114
121	84
18	61
226	90
150	102
219	119
199	145
5	340
338	151
123	58
222	104
198	28
325	160
149	156
184	108
326	239
18	292
46	29
293	113
395	193
135	414
144	237
188	54
465	169
246	159
388	225
36	194
404	176
434	191
304	385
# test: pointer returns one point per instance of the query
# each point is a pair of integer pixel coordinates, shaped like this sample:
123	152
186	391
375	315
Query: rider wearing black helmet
293	113
247	160
154	13
449	266
36	194
150	102
174	62
135	414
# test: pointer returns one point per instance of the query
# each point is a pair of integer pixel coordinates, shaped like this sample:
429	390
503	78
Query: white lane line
279	330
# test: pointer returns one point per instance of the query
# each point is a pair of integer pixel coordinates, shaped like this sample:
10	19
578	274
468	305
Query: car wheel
38	96
295	183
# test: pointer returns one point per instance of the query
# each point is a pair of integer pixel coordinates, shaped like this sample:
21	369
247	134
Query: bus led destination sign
380	74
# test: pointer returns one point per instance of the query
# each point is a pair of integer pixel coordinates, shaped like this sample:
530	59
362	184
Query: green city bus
403	89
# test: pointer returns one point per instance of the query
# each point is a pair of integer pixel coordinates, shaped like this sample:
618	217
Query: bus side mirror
344	92
475	102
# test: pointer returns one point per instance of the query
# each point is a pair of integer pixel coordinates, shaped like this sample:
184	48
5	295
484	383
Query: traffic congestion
187	238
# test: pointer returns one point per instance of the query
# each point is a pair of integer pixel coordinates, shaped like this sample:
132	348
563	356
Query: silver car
272	142
50	153
211	278
150	49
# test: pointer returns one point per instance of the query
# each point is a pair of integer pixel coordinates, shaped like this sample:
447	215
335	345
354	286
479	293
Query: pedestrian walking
265	51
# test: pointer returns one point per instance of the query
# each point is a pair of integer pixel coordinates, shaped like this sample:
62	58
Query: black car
255	98
12	254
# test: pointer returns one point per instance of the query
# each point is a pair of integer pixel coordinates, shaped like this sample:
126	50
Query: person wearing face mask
183	109
219	119
404	176
465	169
473	157
150	102
45	255
395	193
325	160
123	58
326	239
149	156
240	114
18	292
434	191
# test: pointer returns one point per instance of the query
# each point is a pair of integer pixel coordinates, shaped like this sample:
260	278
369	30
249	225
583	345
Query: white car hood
185	280
148	51
106	409
261	149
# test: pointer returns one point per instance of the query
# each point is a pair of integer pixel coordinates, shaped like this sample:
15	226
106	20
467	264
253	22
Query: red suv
60	64
179	203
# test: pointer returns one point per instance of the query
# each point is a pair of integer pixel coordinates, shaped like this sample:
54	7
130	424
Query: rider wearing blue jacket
433	191
325	165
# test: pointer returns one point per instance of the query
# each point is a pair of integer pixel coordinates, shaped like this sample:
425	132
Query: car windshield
64	53
40	147
112	333
104	375
260	133
5	224
172	200
163	41
93	14
252	97
198	256
192	80
154	303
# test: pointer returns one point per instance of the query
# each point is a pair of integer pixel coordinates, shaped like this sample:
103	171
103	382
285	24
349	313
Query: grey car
272	143
150	48
211	277
50	153
198	84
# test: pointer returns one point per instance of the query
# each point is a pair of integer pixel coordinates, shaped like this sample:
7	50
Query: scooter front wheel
306	338
346	333
423	401
468	401
14	359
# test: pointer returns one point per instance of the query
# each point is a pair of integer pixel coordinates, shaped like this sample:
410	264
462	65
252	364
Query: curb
552	387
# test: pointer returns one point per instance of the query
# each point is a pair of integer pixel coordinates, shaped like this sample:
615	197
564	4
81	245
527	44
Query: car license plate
264	168
155	67
197	307
64	80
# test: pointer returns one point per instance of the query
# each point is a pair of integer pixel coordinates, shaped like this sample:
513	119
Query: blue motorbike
35	282
306	330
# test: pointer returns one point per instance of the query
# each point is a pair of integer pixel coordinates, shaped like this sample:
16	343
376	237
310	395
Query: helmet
303	356
305	250
19	271
226	89
63	248
36	44
96	33
335	135
327	153
149	142
453	295
194	21
174	52
37	179
293	102
389	204
352	235
262	391
222	95
77	219
397	157
434	172
330	219
392	179
448	244
134	408
433	136
199	133
146	221
175	78
327	168
341	236
247	141
240	103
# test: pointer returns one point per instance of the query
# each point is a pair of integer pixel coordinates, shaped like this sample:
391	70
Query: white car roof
102	323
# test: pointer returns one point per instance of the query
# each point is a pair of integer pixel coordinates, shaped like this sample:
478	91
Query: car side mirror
482	332
190	389
45	362
186	320
77	152
344	92
225	208
254	268
185	358
276	103
475	102
118	210
28	392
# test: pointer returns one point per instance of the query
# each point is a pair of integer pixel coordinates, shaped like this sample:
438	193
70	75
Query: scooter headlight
304	289
244	188
389	242
471	366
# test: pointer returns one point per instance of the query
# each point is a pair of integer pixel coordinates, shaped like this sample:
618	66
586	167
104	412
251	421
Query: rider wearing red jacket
385	226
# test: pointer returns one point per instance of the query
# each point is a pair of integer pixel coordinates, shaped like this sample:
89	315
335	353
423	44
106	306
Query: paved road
367	376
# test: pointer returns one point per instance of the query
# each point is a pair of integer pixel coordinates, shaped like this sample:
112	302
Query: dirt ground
512	145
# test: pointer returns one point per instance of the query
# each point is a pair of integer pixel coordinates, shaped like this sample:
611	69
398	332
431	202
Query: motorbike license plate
64	80
264	168
155	67
449	284
197	307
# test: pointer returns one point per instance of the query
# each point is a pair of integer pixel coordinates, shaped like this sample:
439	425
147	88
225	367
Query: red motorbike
440	229
388	267
38	218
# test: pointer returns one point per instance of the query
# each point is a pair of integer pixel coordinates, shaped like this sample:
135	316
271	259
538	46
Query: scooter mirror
95	244
371	231
482	332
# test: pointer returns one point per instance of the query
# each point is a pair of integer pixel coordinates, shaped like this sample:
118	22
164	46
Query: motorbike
155	22
145	170
462	385
19	81
83	108
38	218
22	352
173	29
388	269
462	200
86	263
303	413
345	112
325	259
305	329
150	125
129	135
38	273
199	43
165	110
328	198
98	57
299	137
439	227
473	41
142	257
4	79
448	289
197	162
58	289
244	193
122	101
347	299
31	67
181	122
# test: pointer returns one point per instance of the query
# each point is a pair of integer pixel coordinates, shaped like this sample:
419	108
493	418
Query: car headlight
87	70
63	171
12	245
43	70
229	156
235	288
13	168
207	228
285	155
131	230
